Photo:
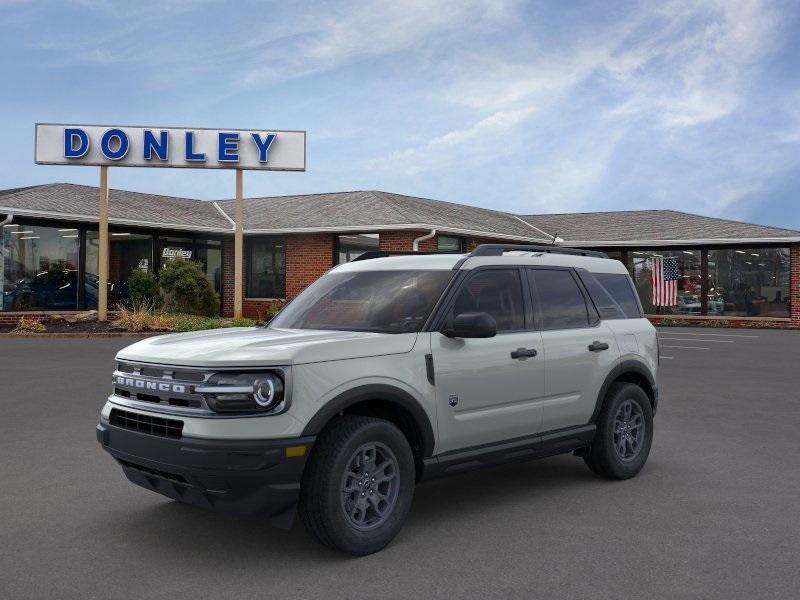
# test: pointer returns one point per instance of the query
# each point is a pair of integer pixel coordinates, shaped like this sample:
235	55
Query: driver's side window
497	292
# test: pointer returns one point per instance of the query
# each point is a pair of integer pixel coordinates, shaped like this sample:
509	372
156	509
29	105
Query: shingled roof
79	203
374	210
651	226
364	211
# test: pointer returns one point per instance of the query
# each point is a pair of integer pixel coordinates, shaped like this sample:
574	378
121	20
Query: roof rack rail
384	253
498	249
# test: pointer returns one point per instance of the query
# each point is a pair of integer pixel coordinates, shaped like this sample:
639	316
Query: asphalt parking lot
715	513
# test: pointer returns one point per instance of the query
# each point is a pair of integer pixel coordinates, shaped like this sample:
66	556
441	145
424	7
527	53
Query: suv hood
259	346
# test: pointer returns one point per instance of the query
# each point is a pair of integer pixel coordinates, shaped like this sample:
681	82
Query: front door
483	393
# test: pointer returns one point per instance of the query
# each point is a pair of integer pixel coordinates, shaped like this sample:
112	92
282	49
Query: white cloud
476	143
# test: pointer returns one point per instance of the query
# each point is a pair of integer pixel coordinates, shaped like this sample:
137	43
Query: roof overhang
397	227
400	227
683	242
93	219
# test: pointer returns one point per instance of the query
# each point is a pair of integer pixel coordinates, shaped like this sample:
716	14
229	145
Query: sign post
238	243
175	147
103	253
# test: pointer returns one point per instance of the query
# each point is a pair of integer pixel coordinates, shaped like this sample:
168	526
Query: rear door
579	348
489	390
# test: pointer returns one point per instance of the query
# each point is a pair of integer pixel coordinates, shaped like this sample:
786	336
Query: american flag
665	280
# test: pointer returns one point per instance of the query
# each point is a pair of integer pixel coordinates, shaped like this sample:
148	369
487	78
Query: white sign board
189	148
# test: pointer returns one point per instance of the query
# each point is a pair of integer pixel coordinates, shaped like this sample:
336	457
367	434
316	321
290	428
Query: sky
527	107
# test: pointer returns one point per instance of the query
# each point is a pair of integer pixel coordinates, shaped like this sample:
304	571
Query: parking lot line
688	347
736	335
671	339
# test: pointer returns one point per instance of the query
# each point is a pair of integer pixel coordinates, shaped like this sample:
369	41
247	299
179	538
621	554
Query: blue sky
529	107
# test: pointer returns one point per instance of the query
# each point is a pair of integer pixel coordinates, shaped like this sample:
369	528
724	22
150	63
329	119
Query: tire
343	507
612	454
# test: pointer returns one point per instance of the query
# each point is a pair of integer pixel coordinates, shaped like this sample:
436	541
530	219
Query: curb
82	335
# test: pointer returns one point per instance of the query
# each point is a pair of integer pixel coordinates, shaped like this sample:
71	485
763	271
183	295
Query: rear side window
560	300
606	305
619	287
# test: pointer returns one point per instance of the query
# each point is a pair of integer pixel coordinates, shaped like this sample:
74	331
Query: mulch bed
62	326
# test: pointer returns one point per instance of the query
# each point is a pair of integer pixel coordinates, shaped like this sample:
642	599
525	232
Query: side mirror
472	325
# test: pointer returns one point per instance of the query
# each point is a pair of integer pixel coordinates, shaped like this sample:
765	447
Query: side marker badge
453	400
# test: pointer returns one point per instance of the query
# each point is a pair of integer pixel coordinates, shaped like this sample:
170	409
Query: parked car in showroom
385	372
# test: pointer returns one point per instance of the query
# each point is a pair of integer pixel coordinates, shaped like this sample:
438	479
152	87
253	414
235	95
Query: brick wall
308	256
794	284
404	240
228	266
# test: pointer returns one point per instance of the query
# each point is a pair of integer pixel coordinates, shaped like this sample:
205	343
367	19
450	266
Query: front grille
168	428
167	386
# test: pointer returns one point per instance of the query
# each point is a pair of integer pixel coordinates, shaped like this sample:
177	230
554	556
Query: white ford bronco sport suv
387	371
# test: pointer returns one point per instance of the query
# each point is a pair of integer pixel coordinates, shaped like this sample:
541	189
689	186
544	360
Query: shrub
26	325
143	289
186	290
141	317
242	322
195	323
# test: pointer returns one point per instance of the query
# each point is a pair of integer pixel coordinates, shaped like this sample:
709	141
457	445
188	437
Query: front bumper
240	477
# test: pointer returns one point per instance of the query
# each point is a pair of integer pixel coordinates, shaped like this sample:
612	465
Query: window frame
461	244
248	271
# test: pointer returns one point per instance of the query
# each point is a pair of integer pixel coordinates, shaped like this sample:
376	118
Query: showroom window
266	267
449	244
39	267
209	255
668	281
128	252
349	247
748	282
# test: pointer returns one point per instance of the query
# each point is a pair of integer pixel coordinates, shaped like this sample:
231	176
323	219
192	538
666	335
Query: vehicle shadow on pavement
206	537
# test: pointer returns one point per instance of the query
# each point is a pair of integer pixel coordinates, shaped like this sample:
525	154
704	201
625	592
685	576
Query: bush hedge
185	289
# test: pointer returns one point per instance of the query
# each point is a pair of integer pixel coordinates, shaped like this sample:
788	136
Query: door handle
523	353
596	346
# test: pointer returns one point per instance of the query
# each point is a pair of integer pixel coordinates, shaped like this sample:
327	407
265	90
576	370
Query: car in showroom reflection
690	305
51	289
117	292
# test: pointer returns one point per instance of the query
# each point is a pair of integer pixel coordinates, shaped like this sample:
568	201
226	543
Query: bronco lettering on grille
144	384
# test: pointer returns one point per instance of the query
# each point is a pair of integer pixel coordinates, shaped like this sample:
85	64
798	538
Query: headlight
243	392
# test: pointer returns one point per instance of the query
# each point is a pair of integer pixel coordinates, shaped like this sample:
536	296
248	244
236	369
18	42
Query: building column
102	253
794	283
238	270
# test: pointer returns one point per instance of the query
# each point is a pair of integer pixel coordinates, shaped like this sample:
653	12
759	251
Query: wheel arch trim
379	392
625	367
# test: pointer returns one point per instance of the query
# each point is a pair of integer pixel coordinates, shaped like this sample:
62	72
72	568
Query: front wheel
358	486
624	433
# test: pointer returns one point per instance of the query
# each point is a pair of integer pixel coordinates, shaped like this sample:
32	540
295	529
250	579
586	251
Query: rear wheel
624	433
358	486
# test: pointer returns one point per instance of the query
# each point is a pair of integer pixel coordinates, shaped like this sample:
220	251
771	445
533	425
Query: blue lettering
190	153
228	142
159	146
70	137
263	145
122	144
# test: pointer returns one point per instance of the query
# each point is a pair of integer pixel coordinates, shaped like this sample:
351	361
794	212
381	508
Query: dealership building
727	270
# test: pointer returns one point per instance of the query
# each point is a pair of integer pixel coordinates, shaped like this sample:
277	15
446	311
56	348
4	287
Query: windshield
378	301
